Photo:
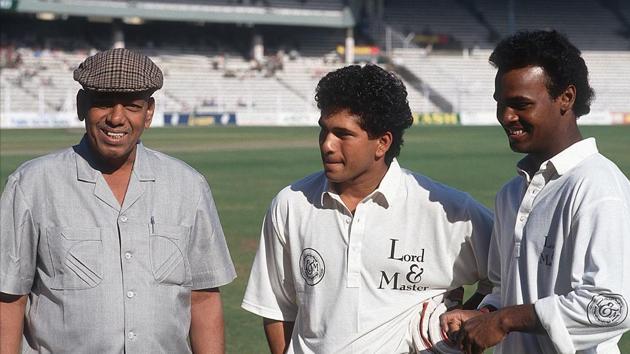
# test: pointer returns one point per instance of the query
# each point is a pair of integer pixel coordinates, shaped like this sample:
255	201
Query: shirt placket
134	226
356	233
533	189
128	256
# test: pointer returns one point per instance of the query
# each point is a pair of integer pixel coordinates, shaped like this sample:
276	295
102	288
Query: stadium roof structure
191	12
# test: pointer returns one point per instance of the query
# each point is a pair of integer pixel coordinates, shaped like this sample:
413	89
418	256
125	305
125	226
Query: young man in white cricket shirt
559	252
348	255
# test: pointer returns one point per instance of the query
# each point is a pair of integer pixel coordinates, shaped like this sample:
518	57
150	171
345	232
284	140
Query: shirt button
123	218
347	220
128	255
131	335
130	294
522	218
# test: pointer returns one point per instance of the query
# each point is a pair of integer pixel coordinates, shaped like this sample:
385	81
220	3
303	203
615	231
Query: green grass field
247	166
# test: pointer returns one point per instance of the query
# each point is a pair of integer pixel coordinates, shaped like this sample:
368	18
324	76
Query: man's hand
480	332
452	321
474	331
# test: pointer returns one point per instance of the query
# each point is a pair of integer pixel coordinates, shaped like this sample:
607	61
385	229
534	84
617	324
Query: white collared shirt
353	283
561	241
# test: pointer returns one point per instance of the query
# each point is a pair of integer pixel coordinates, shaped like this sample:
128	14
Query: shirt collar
384	194
563	161
85	162
573	155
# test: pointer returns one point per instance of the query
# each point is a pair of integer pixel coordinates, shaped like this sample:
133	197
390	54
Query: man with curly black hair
351	257
558	257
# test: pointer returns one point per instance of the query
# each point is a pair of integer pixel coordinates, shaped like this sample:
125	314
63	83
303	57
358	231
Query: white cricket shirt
353	283
561	241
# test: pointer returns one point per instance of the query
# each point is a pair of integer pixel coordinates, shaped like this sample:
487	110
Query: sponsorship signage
437	118
360	50
431	39
36	120
199	119
620	117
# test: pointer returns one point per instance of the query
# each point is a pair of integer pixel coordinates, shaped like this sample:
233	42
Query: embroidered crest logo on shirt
312	266
607	310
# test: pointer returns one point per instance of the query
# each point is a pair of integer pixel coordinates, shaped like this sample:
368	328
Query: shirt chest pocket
77	257
168	247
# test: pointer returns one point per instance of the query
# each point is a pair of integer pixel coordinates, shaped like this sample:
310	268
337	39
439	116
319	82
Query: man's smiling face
114	123
530	116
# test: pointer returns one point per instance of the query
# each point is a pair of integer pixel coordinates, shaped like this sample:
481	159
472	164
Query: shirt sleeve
481	219
18	241
270	291
494	272
597	308
494	266
208	254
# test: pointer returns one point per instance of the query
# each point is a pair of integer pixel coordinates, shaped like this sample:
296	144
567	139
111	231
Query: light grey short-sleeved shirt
104	278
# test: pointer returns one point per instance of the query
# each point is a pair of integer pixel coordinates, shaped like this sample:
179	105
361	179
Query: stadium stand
480	23
428	19
602	29
610	77
290	4
440	50
468	81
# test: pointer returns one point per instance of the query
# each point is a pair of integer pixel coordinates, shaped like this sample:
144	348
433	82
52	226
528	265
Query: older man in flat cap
108	246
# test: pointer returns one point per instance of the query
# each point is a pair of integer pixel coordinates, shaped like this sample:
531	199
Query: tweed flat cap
119	70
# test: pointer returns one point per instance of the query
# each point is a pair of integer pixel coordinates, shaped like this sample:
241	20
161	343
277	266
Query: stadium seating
468	80
432	18
291	4
596	25
587	23
609	74
208	67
